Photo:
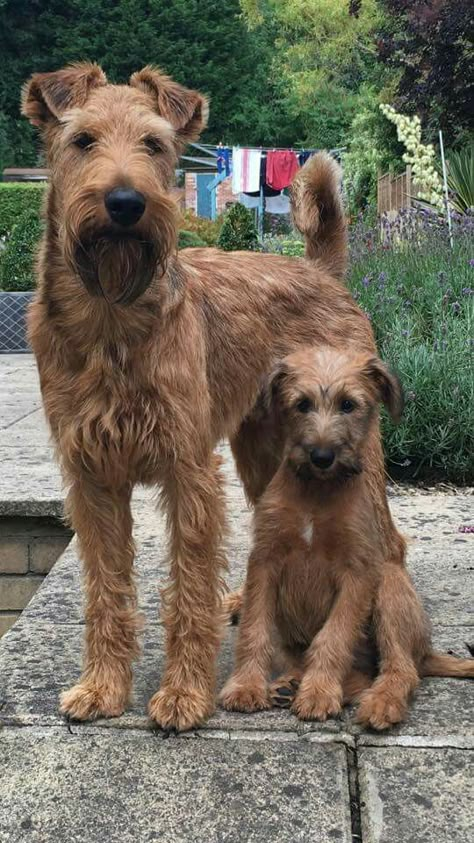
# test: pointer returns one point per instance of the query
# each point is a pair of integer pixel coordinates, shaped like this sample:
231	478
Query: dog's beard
119	268
336	476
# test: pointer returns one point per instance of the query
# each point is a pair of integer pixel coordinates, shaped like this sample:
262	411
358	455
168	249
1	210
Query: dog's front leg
102	520
329	657
192	602
247	688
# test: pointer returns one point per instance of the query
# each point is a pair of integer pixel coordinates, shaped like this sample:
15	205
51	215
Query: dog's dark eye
304	405
347	406
153	145
84	141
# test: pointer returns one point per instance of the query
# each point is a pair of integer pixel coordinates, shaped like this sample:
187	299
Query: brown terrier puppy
318	571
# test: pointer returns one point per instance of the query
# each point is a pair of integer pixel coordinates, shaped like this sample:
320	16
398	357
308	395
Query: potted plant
17	281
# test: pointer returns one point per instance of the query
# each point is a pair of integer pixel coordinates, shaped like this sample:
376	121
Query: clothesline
211	148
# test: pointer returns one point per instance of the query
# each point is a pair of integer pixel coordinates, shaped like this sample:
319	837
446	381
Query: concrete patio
264	777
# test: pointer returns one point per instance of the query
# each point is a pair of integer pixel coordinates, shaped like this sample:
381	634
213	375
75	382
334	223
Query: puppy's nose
322	457
124	205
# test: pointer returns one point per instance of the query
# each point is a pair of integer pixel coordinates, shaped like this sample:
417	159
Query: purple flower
455	307
383	276
365	281
467	291
471	262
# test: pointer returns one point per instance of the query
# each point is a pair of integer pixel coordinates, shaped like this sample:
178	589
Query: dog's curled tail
441	664
318	212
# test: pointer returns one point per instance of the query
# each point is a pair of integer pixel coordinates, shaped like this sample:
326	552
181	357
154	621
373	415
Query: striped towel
246	170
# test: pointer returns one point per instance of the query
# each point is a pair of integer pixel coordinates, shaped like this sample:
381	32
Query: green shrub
291	247
17	265
461	179
207	230
420	299
15	199
238	230
187	239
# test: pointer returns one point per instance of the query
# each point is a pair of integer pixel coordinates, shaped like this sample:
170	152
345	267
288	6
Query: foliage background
283	72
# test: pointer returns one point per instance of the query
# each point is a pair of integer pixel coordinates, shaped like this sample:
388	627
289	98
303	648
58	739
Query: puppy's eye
153	145
304	405
84	141
347	406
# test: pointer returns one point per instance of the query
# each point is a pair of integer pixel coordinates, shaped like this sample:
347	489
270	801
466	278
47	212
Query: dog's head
112	152
326	402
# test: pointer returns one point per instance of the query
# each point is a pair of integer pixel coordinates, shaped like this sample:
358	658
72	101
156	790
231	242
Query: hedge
15	200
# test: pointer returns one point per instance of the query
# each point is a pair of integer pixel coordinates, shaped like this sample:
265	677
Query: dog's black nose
124	205
322	457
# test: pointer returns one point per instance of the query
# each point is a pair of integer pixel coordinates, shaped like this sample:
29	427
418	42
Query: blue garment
223	159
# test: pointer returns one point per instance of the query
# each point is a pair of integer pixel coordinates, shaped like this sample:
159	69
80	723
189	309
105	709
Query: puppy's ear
186	110
388	385
46	96
275	382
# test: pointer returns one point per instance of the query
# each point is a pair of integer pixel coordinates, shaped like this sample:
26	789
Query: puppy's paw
380	709
283	690
247	696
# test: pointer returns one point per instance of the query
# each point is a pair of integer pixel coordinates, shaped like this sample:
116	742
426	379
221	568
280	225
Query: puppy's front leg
330	655
247	690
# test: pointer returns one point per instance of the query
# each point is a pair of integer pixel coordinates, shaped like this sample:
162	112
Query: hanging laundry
246	170
267	190
278	204
237	159
304	155
282	164
223	159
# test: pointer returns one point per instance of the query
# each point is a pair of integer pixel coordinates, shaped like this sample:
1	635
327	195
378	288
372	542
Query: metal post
446	194
261	211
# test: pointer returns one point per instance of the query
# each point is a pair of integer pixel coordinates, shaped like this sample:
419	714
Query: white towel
237	156
246	170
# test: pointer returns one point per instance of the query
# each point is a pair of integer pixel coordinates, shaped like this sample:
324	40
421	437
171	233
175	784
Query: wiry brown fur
320	586
147	358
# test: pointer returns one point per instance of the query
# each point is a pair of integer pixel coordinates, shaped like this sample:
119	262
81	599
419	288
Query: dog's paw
380	710
87	701
180	708
283	691
313	702
247	697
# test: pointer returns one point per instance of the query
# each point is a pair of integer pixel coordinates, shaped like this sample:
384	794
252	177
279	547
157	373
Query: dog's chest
114	427
308	585
305	596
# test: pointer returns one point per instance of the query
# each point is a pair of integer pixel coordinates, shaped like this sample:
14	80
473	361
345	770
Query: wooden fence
394	192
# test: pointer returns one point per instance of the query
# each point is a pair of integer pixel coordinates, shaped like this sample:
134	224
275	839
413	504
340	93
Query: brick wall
29	547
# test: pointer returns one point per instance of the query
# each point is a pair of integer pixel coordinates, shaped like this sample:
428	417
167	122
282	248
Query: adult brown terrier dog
148	358
318	573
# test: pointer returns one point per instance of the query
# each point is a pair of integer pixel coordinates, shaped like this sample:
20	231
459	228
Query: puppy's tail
441	664
318	212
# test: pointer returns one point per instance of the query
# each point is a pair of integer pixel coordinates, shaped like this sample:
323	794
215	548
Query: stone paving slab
39	660
416	796
139	789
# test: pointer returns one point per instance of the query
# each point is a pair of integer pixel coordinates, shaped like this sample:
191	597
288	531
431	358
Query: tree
325	51
238	230
429	43
199	43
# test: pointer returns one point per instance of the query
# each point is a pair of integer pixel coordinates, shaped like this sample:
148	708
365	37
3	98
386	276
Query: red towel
282	164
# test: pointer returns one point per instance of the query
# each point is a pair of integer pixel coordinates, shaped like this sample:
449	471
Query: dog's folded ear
274	384
186	110
388	385
46	96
